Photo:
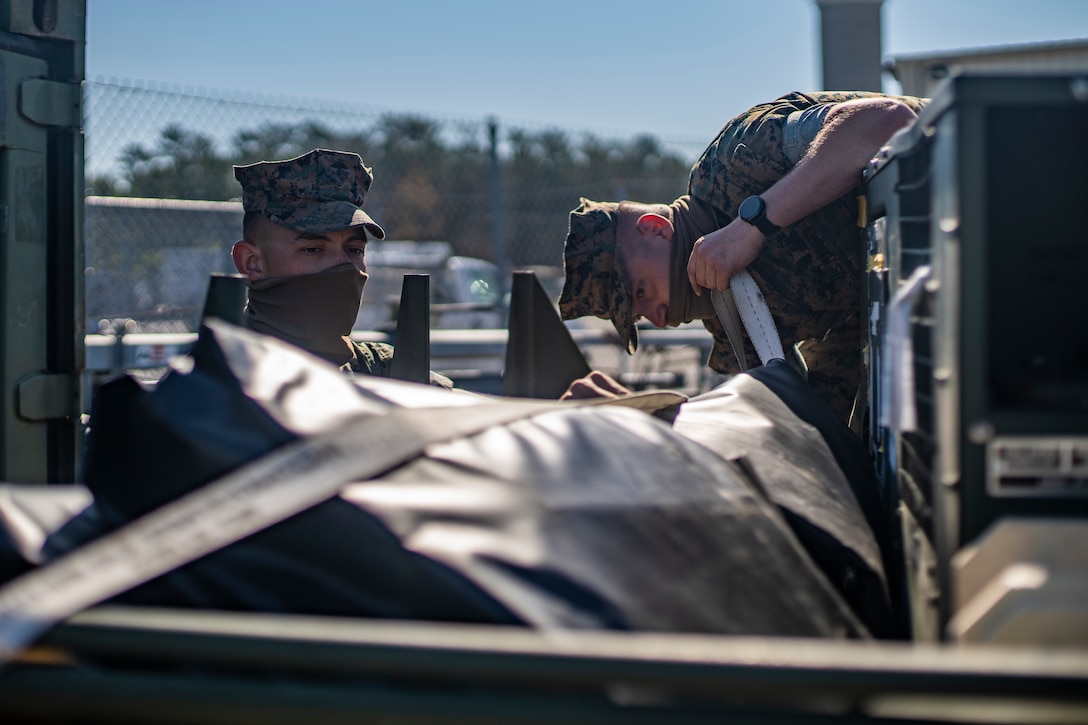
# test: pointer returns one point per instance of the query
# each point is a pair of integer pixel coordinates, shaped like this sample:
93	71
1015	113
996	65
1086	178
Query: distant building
920	74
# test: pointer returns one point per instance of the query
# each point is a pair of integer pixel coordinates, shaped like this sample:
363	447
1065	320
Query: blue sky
674	69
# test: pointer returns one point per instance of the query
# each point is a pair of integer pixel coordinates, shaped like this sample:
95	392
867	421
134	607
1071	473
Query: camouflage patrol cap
596	282
320	191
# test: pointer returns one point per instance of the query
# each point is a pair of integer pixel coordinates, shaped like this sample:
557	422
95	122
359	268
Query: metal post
542	358
412	355
226	298
498	213
119	329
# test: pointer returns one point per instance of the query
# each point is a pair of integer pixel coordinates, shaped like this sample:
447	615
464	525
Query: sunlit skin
645	246
852	134
276	251
650	290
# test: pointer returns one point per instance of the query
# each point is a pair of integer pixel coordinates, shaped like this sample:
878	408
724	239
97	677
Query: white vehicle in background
466	292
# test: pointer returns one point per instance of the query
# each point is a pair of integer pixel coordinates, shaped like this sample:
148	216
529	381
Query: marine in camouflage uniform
317	196
809	272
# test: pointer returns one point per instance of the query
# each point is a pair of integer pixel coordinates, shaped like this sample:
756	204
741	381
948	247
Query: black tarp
579	517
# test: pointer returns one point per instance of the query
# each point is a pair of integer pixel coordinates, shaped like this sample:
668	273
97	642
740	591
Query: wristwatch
754	211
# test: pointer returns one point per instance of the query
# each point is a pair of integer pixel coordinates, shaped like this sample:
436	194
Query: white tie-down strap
897	369
744	299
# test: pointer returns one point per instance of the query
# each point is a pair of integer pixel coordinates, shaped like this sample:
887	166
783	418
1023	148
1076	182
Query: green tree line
433	181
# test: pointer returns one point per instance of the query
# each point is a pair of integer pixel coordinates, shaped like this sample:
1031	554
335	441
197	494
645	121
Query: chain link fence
162	210
494	192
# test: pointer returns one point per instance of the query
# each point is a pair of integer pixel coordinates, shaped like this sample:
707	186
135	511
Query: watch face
750	208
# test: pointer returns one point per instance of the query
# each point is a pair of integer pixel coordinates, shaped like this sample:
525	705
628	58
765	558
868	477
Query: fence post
498	211
120	359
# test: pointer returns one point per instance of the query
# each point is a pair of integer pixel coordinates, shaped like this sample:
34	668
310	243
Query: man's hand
594	385
716	257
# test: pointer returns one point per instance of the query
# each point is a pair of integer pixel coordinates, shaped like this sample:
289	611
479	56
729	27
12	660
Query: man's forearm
852	134
832	166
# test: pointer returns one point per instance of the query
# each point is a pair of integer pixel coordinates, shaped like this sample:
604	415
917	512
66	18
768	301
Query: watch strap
760	220
763	224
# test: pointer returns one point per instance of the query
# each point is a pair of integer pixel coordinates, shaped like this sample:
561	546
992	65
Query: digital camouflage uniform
376	358
371	358
809	272
320	191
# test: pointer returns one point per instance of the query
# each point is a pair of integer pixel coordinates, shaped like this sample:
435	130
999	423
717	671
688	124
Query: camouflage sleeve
747	157
372	358
810	272
376	358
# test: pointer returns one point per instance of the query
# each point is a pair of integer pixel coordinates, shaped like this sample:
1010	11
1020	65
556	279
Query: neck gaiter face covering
691	219
313	311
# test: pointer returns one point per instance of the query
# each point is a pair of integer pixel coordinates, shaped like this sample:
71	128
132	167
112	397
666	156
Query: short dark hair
251	226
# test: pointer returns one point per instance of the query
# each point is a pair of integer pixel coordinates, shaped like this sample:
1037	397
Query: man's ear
247	260
655	225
